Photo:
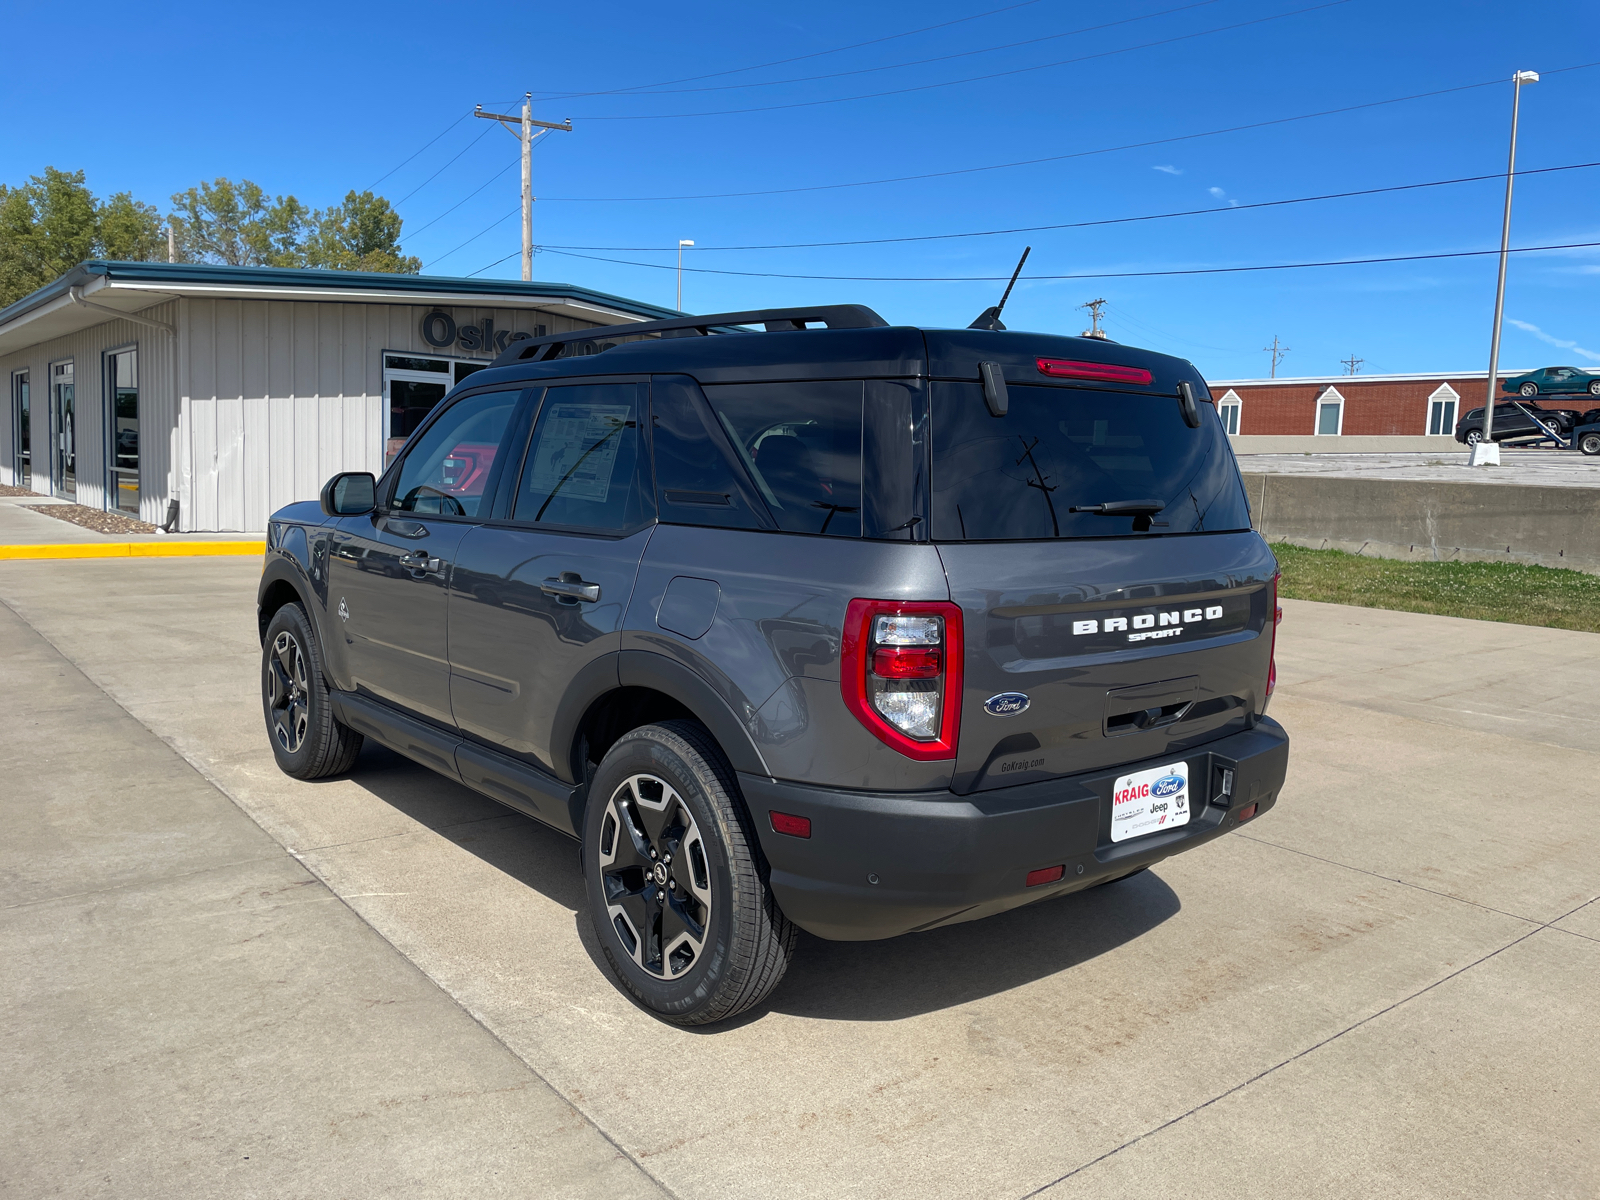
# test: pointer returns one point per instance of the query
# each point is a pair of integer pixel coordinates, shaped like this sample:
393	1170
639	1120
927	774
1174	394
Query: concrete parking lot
222	982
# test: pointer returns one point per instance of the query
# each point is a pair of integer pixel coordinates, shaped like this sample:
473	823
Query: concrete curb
133	550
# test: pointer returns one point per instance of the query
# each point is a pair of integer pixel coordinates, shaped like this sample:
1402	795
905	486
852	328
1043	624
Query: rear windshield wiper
1121	508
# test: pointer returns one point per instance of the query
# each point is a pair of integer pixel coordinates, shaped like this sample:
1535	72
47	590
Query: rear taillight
1069	368
1272	657
900	673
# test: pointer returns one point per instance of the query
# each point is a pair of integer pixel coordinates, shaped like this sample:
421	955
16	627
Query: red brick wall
1370	406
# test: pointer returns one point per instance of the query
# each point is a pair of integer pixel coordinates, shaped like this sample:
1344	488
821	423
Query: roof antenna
990	318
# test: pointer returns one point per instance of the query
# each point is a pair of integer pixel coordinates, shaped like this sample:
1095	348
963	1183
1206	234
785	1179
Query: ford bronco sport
826	623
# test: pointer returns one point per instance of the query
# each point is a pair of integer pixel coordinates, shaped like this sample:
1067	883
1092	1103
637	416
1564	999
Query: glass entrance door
22	423
63	433
123	371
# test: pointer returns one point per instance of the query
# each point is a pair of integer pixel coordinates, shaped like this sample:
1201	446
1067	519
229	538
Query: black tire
1589	444
668	848
306	740
1529	389
1472	437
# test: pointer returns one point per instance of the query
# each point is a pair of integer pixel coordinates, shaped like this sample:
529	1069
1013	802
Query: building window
1229	409
1442	410
122	379
1330	413
22	430
412	385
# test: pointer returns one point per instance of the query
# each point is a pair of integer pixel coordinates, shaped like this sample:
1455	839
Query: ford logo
1006	704
1167	785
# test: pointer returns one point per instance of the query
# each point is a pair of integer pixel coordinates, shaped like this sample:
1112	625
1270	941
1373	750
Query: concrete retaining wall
1268	444
1480	522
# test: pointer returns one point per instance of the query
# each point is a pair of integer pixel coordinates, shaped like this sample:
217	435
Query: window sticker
577	451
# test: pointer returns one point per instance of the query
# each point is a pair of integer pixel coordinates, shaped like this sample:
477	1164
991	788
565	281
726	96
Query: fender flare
641	668
281	568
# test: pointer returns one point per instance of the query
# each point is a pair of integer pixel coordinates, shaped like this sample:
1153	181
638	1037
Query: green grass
1512	592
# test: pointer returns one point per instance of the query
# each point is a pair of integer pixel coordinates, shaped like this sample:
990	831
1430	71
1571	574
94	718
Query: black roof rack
773	320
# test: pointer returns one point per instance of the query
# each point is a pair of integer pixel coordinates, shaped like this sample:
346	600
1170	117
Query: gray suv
797	619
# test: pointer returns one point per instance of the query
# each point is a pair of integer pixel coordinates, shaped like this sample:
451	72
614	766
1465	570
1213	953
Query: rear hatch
1093	638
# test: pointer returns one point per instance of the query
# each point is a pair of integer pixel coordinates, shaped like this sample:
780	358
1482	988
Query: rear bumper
881	864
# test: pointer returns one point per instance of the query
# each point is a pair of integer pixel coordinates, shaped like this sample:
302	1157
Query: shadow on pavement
837	981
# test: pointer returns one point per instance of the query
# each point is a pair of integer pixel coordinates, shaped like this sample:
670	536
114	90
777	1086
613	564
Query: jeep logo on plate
1006	704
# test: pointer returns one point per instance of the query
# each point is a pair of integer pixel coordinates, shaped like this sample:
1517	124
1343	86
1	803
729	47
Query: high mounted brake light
1069	368
900	674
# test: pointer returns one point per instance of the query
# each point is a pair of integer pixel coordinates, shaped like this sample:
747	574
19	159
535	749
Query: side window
448	470
584	466
801	443
698	481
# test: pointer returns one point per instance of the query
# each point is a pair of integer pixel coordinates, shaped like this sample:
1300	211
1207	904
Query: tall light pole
523	130
1487	451
682	242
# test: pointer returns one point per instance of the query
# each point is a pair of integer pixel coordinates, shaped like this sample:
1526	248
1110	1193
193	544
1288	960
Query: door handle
573	589
418	560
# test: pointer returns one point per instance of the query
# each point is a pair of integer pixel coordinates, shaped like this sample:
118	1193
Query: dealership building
232	391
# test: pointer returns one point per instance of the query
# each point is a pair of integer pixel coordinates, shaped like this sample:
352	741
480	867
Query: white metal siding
278	395
157	407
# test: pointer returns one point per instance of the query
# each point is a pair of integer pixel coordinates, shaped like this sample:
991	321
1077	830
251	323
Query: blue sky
317	99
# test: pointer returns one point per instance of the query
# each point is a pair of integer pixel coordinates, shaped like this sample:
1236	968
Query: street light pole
1487	452
682	242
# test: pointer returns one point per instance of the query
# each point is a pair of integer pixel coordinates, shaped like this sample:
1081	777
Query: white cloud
1526	327
1218	193
1169	170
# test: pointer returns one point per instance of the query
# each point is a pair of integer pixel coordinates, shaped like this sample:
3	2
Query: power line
468	196
922	62
1338	262
781	62
495	225
980	78
1188	212
444	131
442	169
1032	162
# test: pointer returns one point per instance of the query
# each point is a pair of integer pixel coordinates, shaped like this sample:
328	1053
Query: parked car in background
1512	421
1552	381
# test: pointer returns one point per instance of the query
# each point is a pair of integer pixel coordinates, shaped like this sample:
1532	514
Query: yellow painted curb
133	550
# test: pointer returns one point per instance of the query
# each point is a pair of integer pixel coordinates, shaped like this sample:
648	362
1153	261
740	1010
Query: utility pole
1352	365
1487	451
172	245
1094	330
1277	353
523	132
682	242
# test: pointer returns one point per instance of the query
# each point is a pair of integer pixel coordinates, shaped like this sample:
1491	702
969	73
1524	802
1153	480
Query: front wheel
306	739
676	884
1589	444
1529	389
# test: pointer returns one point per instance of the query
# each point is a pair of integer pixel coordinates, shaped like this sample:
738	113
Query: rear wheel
1529	389
1594	387
1473	436
1589	443
306	740
676	884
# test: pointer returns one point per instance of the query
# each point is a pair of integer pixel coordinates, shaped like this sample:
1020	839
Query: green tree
236	224
131	231
362	234
47	226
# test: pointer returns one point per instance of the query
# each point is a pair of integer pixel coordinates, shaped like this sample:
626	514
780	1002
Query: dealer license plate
1150	801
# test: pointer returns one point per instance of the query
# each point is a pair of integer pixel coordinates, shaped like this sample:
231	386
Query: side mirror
350	494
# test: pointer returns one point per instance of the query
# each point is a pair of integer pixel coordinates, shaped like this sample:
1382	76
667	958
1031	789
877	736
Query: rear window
1017	477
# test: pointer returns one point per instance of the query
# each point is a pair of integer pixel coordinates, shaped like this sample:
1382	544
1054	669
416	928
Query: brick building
1351	405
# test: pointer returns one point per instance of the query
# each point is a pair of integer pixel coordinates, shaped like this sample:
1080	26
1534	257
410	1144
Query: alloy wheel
654	876
289	702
